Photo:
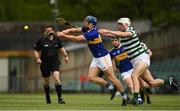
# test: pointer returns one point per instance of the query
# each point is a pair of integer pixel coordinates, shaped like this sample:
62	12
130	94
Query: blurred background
158	21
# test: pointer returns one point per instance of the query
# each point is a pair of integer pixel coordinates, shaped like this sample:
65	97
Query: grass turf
84	102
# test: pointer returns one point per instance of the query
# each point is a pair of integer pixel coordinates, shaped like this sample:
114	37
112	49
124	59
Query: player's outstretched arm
79	38
106	32
72	30
122	34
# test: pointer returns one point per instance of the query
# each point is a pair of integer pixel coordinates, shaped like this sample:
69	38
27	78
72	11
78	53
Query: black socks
58	90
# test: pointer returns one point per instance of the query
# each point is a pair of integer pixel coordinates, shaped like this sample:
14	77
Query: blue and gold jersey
95	43
121	59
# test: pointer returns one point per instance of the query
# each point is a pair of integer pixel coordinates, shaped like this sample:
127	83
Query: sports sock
136	95
124	96
109	86
58	90
46	90
142	95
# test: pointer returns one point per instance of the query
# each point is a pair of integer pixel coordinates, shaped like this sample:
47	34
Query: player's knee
134	75
46	82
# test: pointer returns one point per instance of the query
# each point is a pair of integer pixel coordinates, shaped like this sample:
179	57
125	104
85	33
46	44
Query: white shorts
143	57
126	74
102	62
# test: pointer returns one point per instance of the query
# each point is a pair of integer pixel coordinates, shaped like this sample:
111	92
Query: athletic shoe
113	92
61	101
173	83
125	102
137	101
48	100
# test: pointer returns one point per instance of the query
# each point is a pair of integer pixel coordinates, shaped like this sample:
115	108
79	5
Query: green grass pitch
84	102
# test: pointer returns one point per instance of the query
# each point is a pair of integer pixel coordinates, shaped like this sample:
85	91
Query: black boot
59	92
113	92
124	103
61	101
173	83
127	101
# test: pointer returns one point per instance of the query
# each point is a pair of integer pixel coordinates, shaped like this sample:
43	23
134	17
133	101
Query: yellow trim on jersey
95	41
121	56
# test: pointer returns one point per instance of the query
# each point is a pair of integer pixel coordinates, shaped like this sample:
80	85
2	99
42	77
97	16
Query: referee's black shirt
49	48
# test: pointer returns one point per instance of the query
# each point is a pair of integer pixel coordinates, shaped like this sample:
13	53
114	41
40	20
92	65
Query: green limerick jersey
132	45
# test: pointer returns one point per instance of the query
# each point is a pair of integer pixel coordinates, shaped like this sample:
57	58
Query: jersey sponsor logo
46	45
114	53
121	56
95	41
56	45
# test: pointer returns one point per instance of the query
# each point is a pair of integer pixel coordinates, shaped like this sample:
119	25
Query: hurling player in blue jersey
122	63
101	59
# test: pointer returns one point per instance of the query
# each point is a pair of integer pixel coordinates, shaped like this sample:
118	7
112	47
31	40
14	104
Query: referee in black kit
46	53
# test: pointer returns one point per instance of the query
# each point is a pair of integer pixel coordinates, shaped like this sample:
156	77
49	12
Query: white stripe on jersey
129	42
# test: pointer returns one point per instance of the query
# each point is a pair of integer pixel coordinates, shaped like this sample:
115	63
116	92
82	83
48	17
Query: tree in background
157	11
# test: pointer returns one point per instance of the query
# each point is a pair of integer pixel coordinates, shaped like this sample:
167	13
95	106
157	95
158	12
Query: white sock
124	97
110	87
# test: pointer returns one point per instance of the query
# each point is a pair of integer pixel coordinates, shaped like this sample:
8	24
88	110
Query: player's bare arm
105	32
63	51
110	33
72	30
120	33
79	38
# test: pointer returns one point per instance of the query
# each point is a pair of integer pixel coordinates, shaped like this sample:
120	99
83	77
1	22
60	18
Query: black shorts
49	67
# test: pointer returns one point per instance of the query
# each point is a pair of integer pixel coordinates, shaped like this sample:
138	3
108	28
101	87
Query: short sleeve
59	44
131	29
37	45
